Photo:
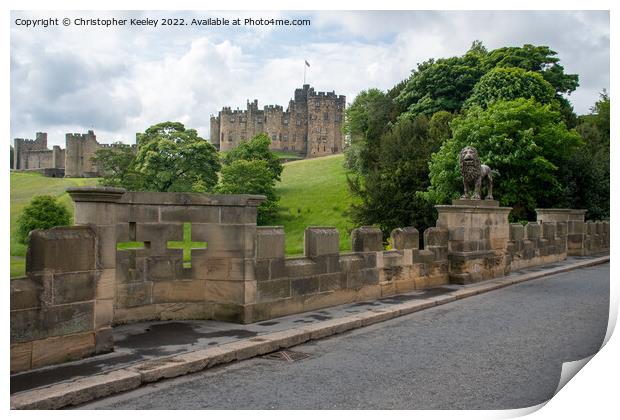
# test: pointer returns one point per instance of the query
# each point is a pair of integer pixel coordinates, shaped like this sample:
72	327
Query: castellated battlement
73	161
310	126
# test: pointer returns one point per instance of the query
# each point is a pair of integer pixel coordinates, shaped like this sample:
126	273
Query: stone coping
122	196
445	208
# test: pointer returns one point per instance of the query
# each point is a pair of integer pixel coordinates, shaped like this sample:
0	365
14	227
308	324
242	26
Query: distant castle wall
74	161
310	126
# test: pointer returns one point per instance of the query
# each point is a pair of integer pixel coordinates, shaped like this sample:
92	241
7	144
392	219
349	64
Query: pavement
151	351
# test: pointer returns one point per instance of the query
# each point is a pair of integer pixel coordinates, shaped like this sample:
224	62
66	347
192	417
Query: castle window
230	137
259	121
317	104
285	138
336	118
298	122
286	121
273	137
265	118
280	136
325	116
232	119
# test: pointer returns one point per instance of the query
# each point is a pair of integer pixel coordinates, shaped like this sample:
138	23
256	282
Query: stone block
548	230
238	214
133	294
106	284
21	355
225	291
165	268
517	232
236	241
327	263
366	238
561	229
106	245
192	214
62	349
139	213
273	289
179	291
261	270
576	227
26	292
104	313
61	249
591	227
439	252
304	286
405	238
104	340
533	231
278	268
321	241
392	258
269	242
332	281
36	324
74	287
424	256
300	267
436	236
95	213
351	263
361	278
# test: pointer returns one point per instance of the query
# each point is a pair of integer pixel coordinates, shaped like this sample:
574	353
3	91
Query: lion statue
473	172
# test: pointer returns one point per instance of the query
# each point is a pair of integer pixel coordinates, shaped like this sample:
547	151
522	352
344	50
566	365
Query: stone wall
324	277
56	311
125	262
151	280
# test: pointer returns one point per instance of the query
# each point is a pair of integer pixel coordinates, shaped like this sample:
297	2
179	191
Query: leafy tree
541	59
173	158
443	84
587	173
522	139
256	149
366	119
117	166
510	83
251	177
43	212
388	194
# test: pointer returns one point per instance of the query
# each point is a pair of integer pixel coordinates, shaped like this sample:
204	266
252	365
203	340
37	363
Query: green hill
313	193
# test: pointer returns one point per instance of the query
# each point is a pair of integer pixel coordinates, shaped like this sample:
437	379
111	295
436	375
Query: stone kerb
55	316
154	281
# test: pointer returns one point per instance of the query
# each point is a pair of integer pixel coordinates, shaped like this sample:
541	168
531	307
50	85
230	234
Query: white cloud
121	81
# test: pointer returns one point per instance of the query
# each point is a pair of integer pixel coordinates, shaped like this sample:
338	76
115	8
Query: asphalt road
500	350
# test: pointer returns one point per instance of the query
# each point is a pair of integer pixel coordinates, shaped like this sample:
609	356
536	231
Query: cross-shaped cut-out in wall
187	245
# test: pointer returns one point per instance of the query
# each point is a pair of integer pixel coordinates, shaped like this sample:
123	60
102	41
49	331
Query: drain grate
286	355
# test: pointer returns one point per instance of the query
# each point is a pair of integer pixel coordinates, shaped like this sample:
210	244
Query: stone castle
310	126
73	161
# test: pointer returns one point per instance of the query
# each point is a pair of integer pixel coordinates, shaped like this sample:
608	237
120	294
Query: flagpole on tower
306	64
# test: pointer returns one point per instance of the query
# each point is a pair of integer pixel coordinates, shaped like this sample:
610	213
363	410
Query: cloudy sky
121	80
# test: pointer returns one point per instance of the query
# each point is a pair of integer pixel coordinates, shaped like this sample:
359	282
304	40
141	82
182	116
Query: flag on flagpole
307	64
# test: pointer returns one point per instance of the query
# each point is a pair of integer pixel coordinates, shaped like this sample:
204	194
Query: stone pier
478	233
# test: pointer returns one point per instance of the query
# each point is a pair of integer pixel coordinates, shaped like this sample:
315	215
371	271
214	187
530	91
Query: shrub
43	212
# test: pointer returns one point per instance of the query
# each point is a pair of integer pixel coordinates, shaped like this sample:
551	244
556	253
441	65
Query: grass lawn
314	192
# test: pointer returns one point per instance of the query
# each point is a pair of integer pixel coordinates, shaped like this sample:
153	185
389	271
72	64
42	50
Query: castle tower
310	126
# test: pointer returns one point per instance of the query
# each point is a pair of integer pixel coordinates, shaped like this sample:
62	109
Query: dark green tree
388	195
173	158
116	165
587	173
251	177
510	83
525	141
43	212
256	149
